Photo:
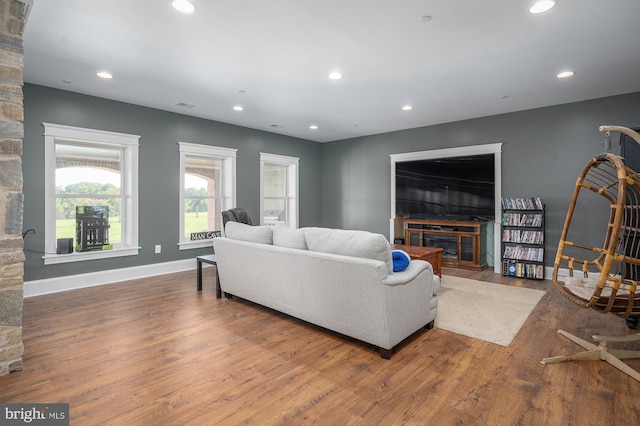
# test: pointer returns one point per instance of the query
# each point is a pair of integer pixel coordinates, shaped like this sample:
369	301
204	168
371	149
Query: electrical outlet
158	248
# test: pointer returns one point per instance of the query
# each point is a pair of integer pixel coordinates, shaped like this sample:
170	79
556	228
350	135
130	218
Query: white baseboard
72	282
564	272
548	272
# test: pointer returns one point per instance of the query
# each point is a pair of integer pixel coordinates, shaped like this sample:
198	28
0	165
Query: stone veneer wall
12	14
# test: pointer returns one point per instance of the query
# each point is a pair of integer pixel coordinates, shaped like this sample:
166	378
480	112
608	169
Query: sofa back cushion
253	234
289	237
350	243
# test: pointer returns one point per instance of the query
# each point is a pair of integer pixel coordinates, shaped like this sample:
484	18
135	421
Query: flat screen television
452	188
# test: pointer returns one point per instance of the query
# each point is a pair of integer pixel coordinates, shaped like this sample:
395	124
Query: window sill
188	245
54	259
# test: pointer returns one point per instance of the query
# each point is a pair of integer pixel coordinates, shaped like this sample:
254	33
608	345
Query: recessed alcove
397	218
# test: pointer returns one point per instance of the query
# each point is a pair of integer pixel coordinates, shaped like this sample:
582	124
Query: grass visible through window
193	222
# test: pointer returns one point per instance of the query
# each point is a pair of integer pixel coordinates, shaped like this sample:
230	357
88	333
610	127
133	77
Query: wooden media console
463	242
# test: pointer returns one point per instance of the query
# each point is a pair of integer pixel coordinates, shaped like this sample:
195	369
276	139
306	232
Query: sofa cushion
253	234
350	243
400	260
289	237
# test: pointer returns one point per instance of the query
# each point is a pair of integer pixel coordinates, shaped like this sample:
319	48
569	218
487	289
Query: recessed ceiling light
183	6
238	108
314	127
104	74
542	6
566	74
407	108
335	75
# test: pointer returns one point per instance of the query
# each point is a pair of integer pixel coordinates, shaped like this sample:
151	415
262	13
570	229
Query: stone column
12	14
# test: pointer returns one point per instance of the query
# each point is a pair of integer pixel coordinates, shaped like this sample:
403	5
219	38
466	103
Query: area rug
490	312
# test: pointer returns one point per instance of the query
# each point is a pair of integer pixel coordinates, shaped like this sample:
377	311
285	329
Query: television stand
463	242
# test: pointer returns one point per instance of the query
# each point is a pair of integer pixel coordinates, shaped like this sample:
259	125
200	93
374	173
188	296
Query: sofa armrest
436	284
403	277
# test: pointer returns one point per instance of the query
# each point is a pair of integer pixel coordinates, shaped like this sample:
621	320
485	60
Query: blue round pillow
400	260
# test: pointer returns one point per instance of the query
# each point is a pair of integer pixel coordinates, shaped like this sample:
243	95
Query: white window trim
284	160
229	155
53	132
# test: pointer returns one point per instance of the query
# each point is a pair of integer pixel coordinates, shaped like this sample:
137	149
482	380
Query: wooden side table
433	255
210	259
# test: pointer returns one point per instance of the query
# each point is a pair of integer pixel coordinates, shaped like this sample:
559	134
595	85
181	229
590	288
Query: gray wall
543	152
343	184
159	171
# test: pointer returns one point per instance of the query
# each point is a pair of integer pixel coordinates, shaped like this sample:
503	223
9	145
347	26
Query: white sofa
337	279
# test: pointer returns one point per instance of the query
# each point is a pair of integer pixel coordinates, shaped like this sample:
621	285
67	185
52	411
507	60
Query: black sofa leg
385	353
430	325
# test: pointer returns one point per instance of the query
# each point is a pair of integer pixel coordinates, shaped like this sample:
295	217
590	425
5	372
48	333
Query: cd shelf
523	237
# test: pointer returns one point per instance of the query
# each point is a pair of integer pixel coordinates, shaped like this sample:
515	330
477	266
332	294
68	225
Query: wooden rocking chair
607	273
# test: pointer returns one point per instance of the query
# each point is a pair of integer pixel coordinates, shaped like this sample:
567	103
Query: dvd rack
523	237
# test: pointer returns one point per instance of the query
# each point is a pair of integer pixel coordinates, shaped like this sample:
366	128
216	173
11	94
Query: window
278	190
207	187
91	194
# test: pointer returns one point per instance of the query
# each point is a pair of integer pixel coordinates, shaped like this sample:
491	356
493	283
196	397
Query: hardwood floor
154	351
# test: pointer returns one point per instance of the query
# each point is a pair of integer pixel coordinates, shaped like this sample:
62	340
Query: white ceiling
472	59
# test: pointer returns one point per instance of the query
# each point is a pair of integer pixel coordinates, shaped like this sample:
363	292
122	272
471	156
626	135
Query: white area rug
490	312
